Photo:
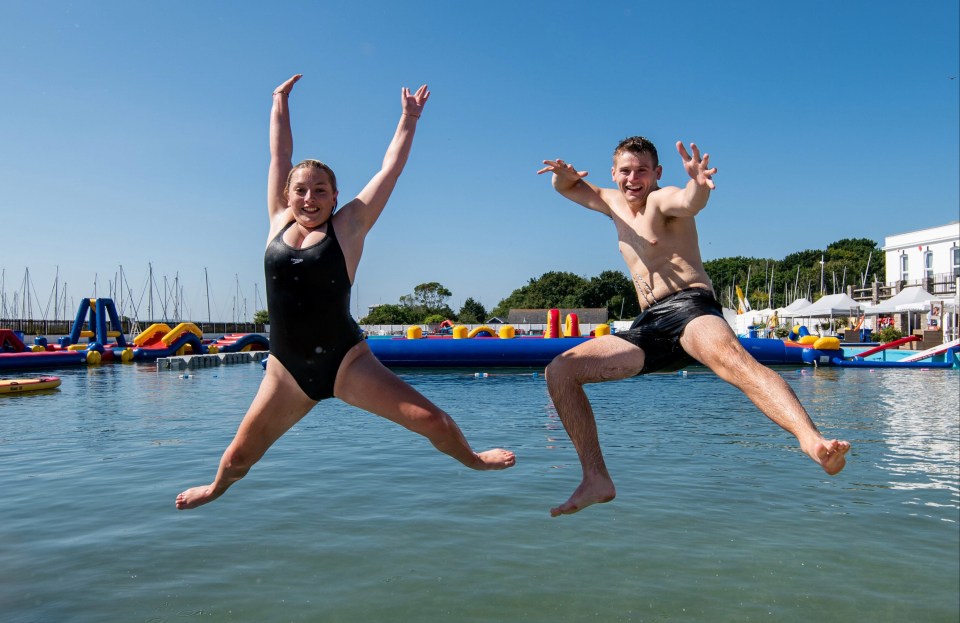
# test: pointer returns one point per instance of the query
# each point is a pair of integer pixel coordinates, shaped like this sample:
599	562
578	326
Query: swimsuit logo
296	260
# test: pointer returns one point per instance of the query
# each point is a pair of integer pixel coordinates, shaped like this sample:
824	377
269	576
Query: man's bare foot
197	496
829	454
596	490
495	459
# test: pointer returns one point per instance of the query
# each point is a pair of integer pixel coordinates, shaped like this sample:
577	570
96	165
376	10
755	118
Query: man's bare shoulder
663	193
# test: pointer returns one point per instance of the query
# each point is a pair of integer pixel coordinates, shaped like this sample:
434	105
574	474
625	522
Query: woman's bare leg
601	359
364	382
710	340
278	405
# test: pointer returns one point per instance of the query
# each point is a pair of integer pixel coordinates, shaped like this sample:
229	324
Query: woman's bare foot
829	454
197	496
495	459
593	490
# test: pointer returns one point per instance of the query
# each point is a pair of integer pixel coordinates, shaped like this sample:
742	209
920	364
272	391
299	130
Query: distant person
317	351
680	319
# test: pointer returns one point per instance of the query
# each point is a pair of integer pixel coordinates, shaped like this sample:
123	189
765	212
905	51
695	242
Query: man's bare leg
711	341
278	405
366	383
602	359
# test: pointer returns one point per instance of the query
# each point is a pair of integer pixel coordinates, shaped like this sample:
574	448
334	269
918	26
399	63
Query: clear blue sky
134	133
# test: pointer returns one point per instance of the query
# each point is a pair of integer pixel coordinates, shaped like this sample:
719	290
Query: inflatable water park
485	347
97	337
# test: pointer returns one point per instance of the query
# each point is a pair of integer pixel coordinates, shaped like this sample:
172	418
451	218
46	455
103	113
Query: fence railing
943	285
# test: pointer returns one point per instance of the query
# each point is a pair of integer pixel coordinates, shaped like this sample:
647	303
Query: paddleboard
16	386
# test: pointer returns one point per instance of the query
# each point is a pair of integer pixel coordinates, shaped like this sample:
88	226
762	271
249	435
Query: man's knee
561	370
431	423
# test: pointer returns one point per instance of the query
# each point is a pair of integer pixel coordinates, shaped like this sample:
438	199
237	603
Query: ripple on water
350	518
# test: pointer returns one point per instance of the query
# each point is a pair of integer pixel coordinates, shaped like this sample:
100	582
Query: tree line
809	274
765	282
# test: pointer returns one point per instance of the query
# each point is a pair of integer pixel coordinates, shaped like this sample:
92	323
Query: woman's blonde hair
312	164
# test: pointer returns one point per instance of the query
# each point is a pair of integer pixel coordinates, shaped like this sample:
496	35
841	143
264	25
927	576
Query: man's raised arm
688	201
570	183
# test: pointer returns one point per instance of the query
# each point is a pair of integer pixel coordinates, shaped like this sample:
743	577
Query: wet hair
312	164
637	145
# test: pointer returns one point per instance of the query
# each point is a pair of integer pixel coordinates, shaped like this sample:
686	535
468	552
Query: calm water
349	518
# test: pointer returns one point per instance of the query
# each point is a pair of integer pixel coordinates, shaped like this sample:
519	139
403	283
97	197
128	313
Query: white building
925	257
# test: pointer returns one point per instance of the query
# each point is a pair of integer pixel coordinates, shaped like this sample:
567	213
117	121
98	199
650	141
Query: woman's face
311	196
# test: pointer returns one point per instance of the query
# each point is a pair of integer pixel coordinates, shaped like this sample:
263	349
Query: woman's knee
240	459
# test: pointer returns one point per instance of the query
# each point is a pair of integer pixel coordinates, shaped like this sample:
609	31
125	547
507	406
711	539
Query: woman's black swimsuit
657	330
308	298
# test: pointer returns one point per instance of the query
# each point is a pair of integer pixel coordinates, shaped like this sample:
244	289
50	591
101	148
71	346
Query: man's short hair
637	145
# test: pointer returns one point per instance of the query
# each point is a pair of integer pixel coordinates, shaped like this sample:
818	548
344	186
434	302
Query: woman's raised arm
281	147
368	205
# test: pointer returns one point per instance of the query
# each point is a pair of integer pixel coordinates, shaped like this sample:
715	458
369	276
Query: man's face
635	175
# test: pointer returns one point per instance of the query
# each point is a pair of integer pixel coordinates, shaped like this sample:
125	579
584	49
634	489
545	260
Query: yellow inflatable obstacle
483	329
151	333
826	343
178	331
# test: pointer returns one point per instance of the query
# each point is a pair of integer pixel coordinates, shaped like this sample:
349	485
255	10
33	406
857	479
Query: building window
904	267
928	264
956	261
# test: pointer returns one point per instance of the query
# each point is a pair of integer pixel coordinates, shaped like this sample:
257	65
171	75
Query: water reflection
920	419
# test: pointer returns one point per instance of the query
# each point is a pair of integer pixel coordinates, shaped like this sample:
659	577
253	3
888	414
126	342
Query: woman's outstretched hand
413	104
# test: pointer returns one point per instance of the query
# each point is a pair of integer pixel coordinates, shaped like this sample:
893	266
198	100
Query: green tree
389	314
472	312
428	299
553	289
845	263
261	316
611	289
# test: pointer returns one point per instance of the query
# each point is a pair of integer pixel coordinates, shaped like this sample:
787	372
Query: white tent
908	296
925	306
790	311
831	305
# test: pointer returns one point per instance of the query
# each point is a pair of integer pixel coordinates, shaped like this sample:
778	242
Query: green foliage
797	275
553	289
428	299
261	316
472	312
390	314
610	289
888	334
781	331
434	319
